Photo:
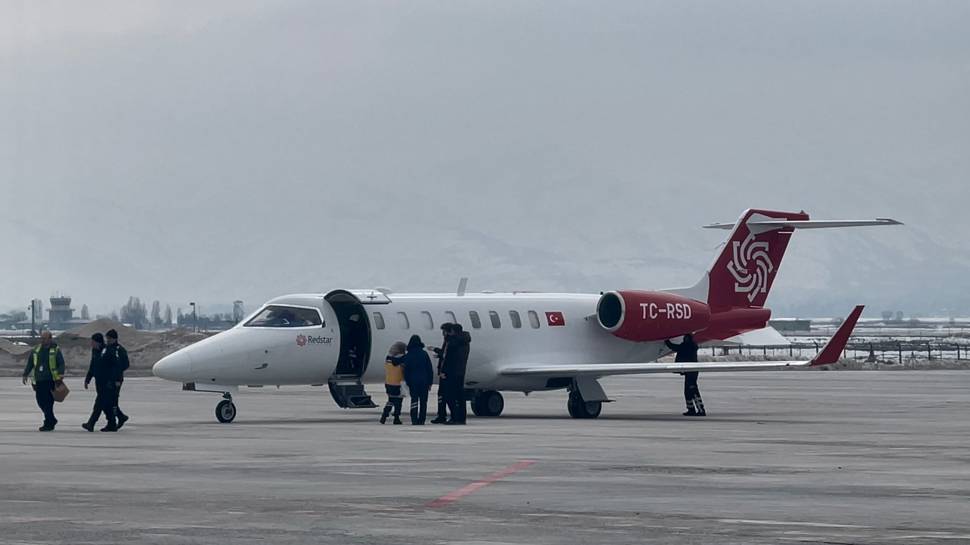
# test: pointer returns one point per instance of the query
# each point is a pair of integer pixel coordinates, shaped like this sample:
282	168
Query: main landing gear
580	408
488	403
226	409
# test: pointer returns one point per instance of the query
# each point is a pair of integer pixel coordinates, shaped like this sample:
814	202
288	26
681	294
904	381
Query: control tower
60	313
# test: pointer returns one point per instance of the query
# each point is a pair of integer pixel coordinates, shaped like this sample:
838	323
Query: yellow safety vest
52	362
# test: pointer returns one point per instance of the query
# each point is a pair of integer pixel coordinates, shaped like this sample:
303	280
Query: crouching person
393	376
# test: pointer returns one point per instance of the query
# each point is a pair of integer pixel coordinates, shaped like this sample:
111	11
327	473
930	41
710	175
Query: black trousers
394	400
419	405
44	393
106	402
690	387
443	386
456	399
117	407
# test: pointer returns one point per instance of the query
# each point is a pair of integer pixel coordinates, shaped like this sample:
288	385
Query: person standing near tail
45	368
687	353
419	375
104	384
393	376
116	357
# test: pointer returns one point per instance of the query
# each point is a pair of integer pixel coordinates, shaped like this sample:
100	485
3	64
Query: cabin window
402	320
379	320
476	321
283	316
493	317
533	319
426	320
450	317
516	319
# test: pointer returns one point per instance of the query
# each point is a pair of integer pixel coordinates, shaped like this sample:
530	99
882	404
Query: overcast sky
218	150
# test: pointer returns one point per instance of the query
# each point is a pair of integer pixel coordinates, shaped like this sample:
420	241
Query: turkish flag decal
555	319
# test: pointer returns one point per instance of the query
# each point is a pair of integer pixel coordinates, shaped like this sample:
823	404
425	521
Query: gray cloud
243	150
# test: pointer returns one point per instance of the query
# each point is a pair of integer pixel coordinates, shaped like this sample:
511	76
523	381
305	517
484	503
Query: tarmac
816	457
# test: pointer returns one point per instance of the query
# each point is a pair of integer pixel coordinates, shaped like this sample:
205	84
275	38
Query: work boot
700	406
122	418
88	426
439	420
690	412
397	421
45	427
385	414
109	427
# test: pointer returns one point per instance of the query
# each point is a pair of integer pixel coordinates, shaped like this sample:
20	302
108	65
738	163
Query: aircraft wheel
226	411
488	403
580	408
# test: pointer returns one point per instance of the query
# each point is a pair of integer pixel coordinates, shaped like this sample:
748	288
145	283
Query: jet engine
650	316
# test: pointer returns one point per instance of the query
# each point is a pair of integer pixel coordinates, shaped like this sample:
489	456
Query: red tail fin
743	273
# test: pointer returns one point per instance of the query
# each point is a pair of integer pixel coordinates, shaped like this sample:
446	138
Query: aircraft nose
173	367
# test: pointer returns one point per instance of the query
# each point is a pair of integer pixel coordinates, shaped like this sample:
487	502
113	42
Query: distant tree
887	316
237	311
85	315
18	316
134	313
156	314
899	316
180	316
114	315
168	315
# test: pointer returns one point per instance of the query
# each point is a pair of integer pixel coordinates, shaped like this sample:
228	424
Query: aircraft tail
742	275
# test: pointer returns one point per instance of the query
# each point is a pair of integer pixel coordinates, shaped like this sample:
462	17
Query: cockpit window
280	316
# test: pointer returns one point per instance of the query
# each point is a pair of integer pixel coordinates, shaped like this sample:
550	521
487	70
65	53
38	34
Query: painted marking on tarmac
456	495
792	523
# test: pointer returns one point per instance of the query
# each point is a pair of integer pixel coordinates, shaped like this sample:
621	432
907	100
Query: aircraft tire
580	408
226	411
488	404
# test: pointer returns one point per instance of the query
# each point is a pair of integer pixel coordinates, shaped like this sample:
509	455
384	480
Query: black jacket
100	368
418	371
686	351
116	357
456	356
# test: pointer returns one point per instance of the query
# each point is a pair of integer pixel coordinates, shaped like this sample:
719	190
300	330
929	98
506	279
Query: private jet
521	342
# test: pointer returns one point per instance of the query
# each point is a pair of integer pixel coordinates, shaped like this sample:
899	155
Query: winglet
832	350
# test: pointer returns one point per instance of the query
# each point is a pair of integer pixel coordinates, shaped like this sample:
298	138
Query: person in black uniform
418	375
453	371
116	357
446	329
45	368
687	353
104	383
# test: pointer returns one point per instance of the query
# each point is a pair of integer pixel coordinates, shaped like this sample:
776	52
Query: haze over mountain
242	150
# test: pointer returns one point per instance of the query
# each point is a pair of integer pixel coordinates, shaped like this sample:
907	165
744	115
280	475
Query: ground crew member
45	367
104	384
393	376
687	353
453	371
117	357
446	329
419	375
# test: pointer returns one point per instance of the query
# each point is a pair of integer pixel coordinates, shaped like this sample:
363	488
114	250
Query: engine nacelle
650	315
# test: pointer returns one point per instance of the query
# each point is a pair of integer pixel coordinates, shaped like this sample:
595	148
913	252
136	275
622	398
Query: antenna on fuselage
462	284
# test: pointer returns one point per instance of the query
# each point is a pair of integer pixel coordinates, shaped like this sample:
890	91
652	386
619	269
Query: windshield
281	316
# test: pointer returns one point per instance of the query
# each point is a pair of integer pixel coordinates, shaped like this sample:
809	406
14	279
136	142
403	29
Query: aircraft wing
829	354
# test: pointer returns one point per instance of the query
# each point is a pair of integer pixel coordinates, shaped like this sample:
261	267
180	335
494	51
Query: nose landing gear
226	410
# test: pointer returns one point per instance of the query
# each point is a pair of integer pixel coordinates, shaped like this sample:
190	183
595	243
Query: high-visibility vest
52	362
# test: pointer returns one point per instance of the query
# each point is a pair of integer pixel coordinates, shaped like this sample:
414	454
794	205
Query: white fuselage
510	328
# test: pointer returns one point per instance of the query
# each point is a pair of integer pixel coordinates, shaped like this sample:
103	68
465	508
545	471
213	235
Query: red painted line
456	495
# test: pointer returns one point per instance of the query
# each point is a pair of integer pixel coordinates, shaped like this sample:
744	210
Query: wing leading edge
829	354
